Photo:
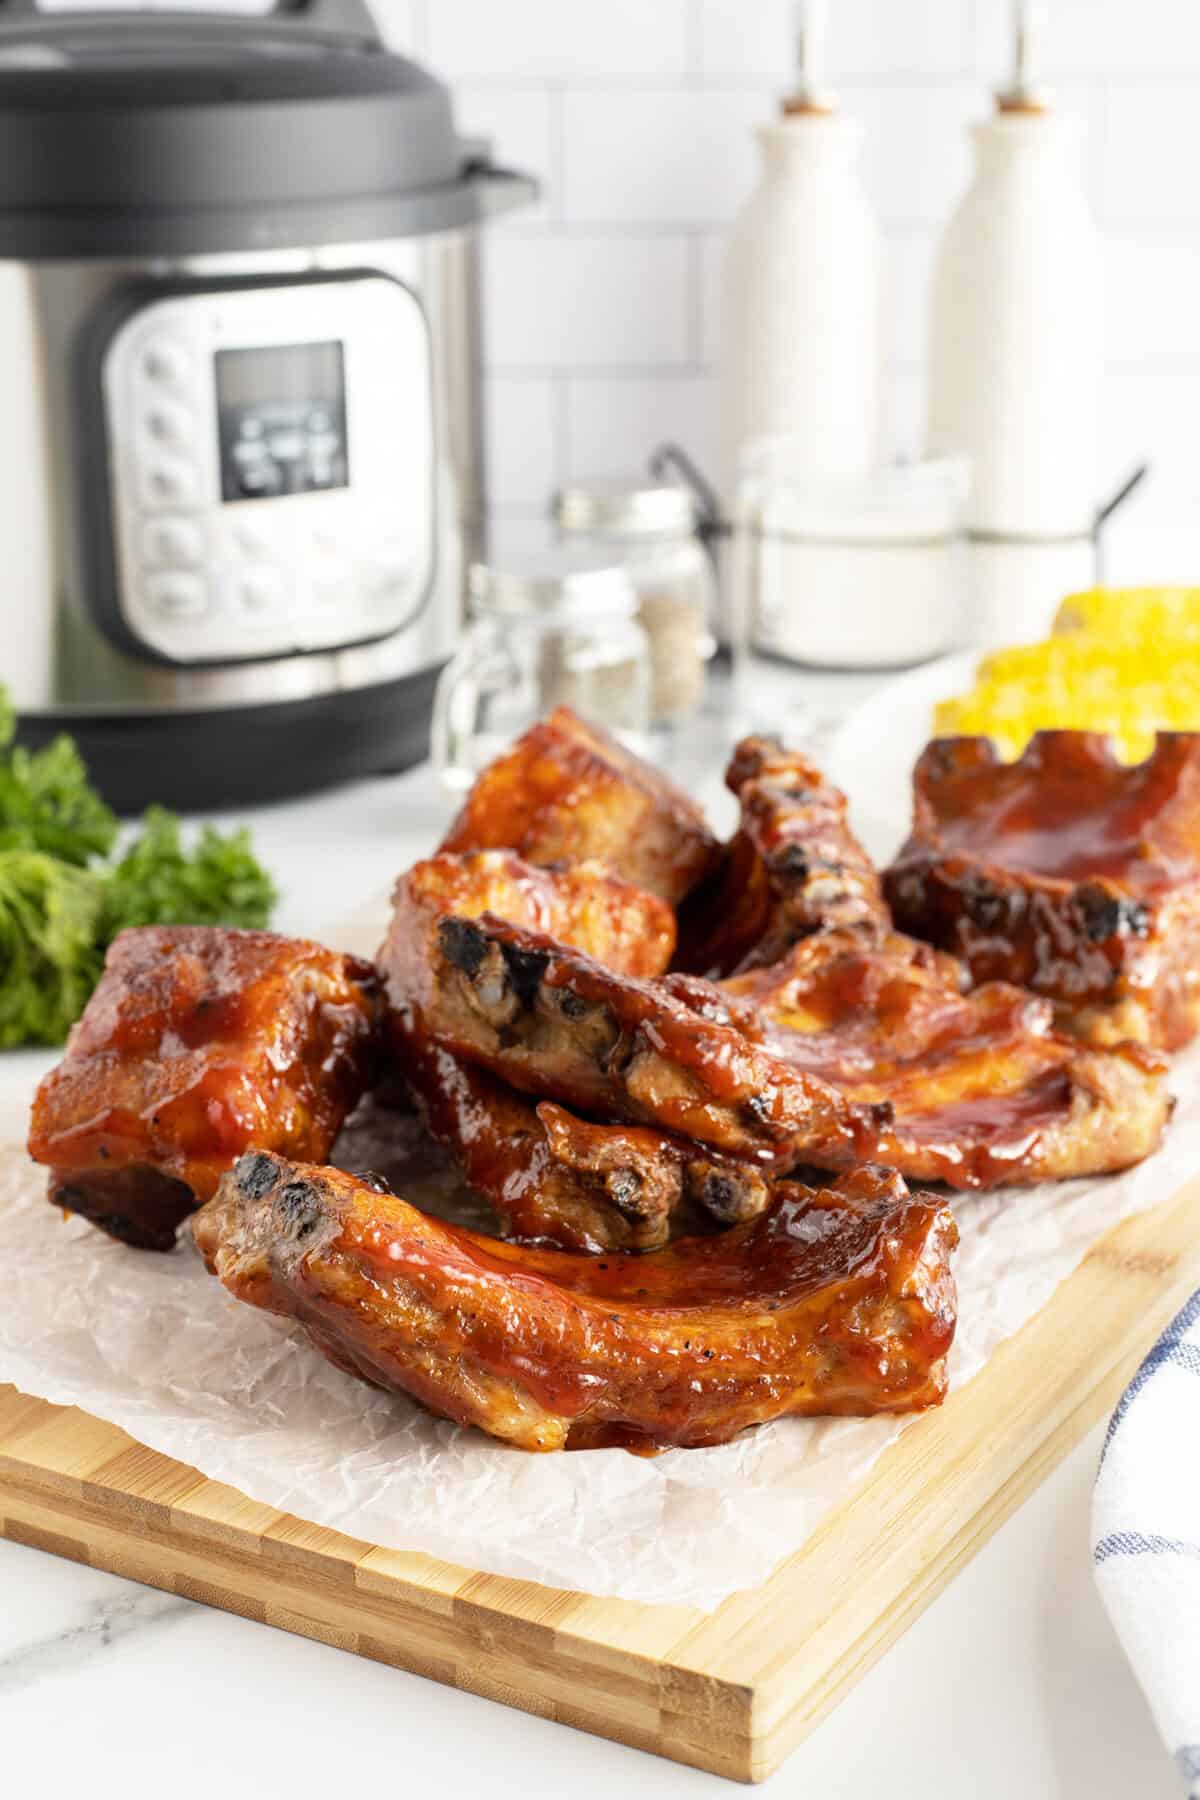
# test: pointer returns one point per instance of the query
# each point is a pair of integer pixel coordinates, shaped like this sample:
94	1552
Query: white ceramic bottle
1016	358
800	341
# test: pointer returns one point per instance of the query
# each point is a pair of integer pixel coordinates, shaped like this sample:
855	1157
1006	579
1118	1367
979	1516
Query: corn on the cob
1132	612
1123	661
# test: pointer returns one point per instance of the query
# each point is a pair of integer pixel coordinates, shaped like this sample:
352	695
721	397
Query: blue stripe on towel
1186	1356
1188	1758
1138	1543
1168	1349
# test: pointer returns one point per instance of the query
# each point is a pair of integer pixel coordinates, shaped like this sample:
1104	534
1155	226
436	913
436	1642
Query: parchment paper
158	1347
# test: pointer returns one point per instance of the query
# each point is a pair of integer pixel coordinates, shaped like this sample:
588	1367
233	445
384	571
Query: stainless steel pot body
58	658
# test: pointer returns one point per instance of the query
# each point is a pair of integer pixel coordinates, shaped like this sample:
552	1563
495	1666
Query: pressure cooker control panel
271	467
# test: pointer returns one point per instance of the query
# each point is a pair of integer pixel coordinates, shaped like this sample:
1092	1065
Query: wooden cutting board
733	1691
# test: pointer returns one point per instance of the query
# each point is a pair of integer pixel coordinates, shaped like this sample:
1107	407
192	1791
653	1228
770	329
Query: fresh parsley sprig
64	896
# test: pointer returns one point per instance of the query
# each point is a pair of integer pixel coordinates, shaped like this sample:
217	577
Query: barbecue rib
793	867
980	1091
837	1300
667	1053
1066	871
583	904
197	1043
549	1176
567	792
557	1179
843	1051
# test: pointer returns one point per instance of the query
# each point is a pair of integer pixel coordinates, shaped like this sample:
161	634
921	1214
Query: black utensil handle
326	21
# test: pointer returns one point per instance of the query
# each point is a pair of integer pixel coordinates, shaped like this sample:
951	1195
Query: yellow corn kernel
1125	662
1130	612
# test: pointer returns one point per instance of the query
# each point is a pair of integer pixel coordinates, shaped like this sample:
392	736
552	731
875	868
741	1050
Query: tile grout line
765	82
577	135
556	101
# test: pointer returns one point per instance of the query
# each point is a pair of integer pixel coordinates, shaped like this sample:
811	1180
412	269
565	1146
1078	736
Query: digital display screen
281	411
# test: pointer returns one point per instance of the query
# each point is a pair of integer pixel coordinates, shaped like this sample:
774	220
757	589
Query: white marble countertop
1012	1683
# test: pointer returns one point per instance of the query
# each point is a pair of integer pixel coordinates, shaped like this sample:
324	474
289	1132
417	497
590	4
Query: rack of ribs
583	904
567	792
842	1052
549	1175
837	1300
975	1089
793	867
674	1053
198	1042
555	1178
1066	871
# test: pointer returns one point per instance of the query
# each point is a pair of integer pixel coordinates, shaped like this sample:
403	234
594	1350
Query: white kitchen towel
1146	1534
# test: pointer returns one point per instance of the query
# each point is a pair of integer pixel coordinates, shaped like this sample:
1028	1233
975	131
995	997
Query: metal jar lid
629	508
553	586
136	134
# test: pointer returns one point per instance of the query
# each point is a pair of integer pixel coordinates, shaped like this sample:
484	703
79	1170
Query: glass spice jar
553	628
651	528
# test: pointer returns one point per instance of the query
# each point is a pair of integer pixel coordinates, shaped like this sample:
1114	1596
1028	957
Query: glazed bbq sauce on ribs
835	1301
198	1042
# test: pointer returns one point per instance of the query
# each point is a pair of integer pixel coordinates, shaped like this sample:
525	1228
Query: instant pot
240	468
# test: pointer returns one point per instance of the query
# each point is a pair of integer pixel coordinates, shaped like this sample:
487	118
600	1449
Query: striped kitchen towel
1146	1534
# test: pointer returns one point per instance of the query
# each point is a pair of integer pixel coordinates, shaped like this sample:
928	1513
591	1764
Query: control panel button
248	538
168	481
177	596
165	362
256	588
169	425
245	524
172	543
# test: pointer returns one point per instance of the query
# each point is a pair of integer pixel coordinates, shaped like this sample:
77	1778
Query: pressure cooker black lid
148	134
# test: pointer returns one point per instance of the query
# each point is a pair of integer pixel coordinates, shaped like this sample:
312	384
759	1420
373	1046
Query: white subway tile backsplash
712	268
1150	415
866	37
917	38
559	302
614	423
522	453
533	40
1151	150
602	303
1085	104
659	155
1097	37
920	185
1152	299
736	40
1141	553
908	277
